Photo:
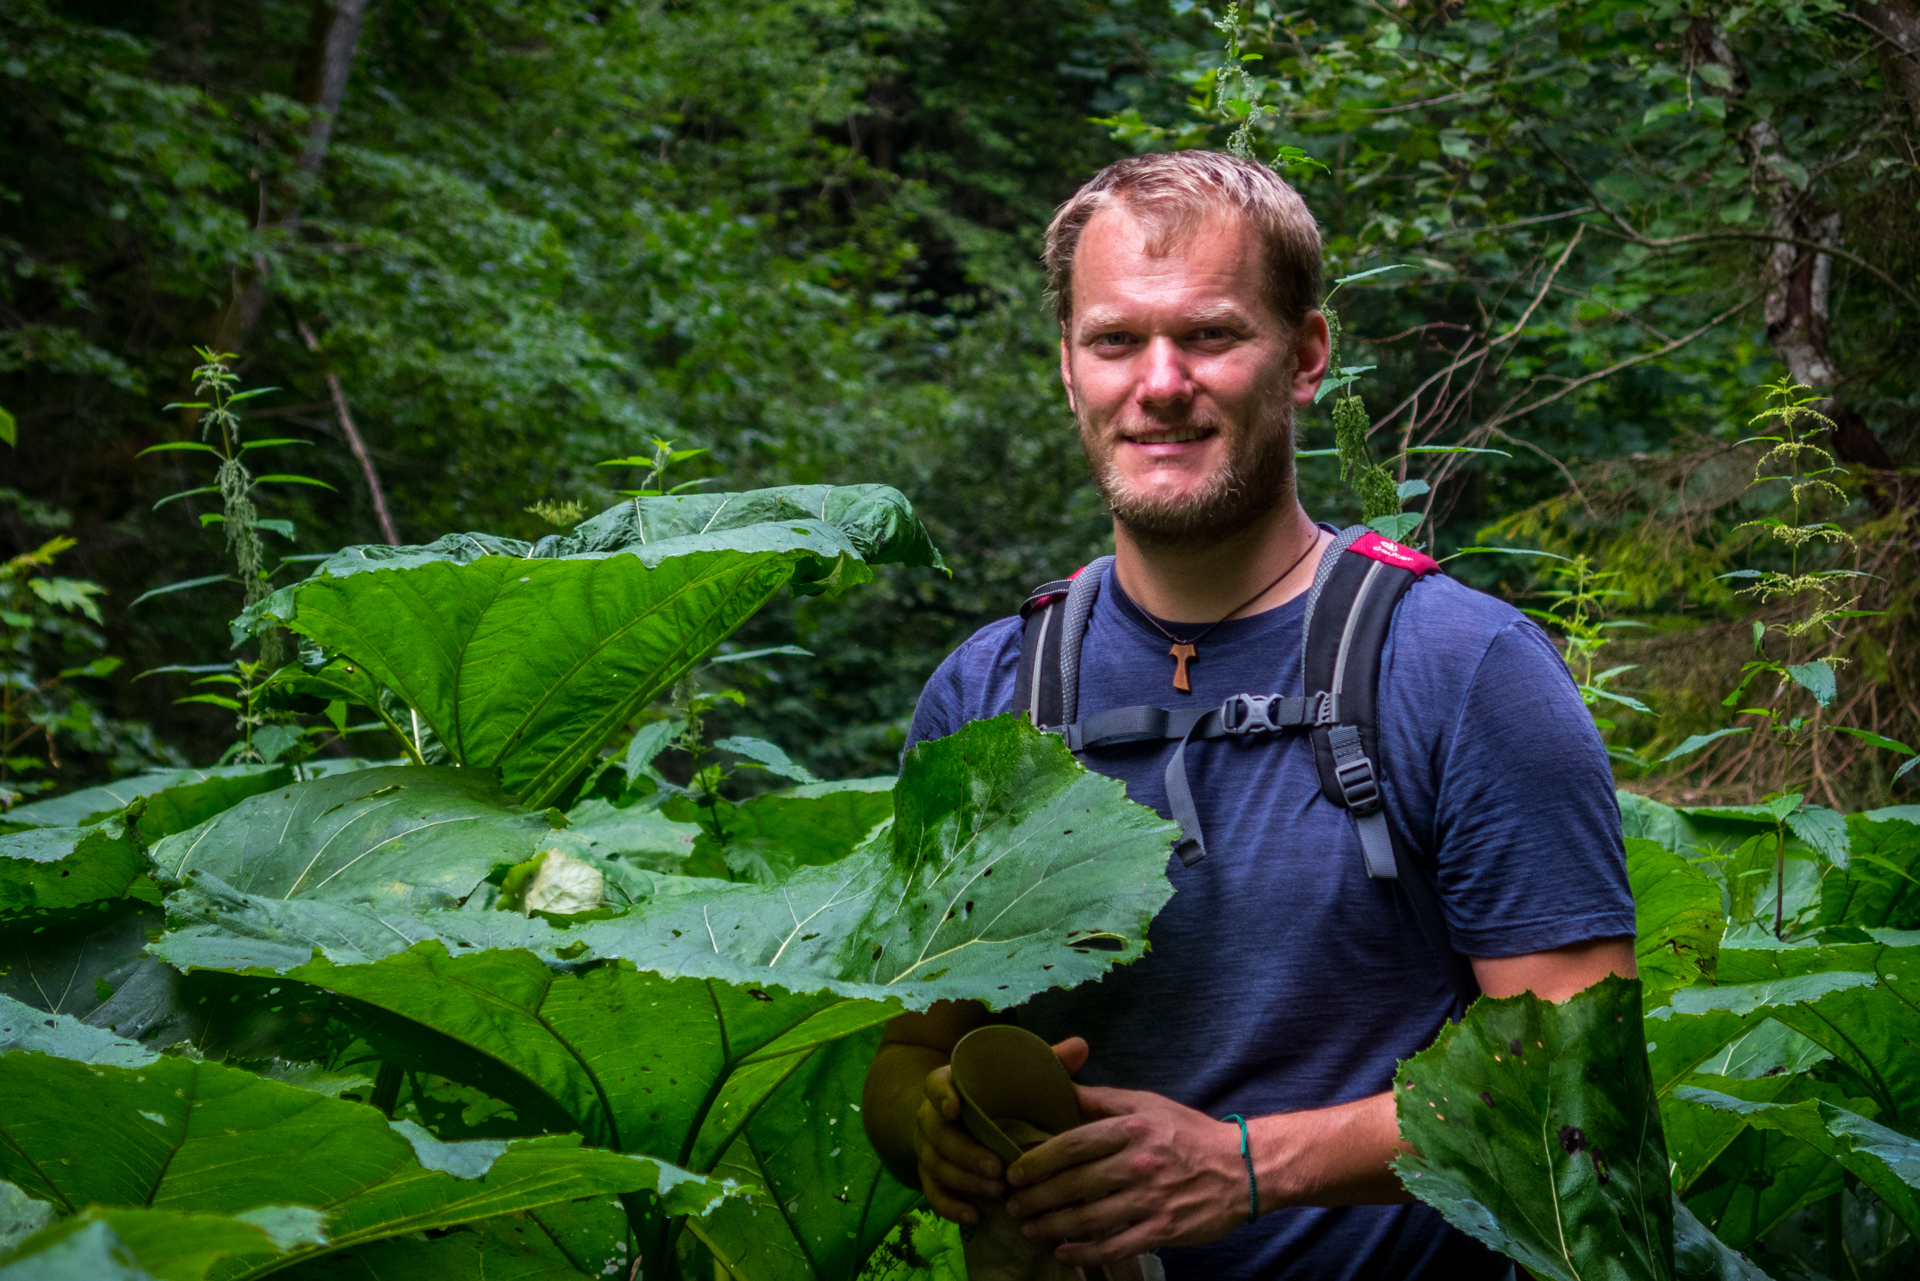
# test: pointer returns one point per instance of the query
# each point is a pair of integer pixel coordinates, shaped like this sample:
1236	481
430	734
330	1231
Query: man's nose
1165	378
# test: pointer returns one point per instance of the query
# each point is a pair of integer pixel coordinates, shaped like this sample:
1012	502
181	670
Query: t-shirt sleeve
974	682
938	713
1528	826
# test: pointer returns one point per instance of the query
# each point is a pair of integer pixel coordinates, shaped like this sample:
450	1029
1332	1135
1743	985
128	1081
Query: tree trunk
1898	22
1797	277
329	61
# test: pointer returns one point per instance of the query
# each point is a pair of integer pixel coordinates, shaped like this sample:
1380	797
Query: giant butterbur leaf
818	1200
1676	915
203	1138
481	1253
1698	1255
1697	1136
1008	869
1885	1160
1700	1022
45	869
1539	1134
407	836
96	970
527	657
196	794
127	1243
1880	886
766	838
1870	1025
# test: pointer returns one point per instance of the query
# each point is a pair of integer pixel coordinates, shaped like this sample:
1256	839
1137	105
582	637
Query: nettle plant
519	1004
264	735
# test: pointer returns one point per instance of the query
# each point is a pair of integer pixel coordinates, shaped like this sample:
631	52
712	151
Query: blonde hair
1172	193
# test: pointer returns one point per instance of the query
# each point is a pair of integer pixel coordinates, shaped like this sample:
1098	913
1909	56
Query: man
1282	984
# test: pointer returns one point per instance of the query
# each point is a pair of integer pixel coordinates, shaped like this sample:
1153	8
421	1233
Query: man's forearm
1329	1156
895	1086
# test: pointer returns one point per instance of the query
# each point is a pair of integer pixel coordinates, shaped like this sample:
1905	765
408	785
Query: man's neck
1202	583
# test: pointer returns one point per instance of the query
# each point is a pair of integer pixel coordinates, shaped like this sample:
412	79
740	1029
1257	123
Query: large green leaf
24	1028
820	1202
637	834
407	836
1696	1136
175	1134
1538	1133
1880	888
92	1251
1698	1255
1702	1021
526	658
1885	1160
170	1245
1645	819
1677	917
766	838
97	970
479	1253
1870	1022
1010	869
193	788
47	869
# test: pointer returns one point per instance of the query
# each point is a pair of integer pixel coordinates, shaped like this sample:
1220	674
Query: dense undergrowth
519	1003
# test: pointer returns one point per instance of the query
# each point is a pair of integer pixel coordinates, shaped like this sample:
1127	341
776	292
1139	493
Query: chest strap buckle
1268	713
1248	713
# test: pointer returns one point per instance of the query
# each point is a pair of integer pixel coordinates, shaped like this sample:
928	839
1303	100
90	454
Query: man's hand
1141	1173
951	1164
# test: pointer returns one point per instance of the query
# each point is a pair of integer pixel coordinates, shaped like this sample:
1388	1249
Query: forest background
492	245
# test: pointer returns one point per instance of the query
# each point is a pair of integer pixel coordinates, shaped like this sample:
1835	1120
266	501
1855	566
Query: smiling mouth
1170	437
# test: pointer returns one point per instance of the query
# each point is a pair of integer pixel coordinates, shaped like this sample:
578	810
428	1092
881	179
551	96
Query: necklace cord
1195	640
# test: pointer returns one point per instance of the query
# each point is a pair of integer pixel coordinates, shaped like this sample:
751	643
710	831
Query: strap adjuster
1359	784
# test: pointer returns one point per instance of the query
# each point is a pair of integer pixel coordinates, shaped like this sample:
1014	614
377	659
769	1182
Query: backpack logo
1378	547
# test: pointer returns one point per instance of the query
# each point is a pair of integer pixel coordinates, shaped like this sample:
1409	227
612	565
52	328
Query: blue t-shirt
1279	977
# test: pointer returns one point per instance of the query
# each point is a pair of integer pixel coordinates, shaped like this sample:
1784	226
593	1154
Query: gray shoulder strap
1322	572
1073	624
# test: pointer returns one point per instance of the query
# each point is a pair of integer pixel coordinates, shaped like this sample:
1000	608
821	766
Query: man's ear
1311	347
1066	371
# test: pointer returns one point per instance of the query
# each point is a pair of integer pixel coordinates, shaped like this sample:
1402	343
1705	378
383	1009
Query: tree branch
354	442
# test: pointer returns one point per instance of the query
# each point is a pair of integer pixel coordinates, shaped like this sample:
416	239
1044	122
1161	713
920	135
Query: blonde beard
1256	478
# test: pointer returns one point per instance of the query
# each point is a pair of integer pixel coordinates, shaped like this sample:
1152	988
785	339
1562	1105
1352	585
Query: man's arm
1147	1172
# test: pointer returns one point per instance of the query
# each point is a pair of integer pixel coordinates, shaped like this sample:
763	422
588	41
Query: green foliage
1787	1076
400	836
50	644
198	1138
1777	1078
1539	1133
800	237
707	1036
539	652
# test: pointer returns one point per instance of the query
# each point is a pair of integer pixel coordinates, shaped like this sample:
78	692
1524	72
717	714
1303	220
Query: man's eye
1212	333
1113	340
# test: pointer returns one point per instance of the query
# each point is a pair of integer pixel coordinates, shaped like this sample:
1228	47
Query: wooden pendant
1181	652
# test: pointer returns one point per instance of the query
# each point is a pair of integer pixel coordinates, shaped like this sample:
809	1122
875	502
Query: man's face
1182	378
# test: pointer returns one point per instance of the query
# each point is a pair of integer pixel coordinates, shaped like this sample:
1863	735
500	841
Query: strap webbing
1376	845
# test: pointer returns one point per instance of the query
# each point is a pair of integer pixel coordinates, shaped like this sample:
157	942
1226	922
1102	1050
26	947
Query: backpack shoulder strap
1054	620
1360	582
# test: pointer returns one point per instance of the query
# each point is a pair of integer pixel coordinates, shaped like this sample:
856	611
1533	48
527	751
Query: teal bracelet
1246	1154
